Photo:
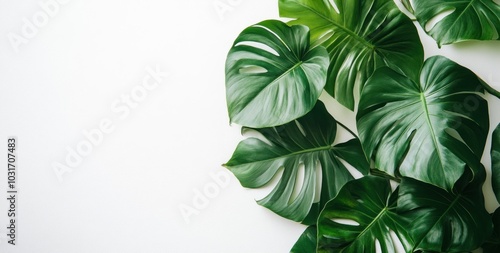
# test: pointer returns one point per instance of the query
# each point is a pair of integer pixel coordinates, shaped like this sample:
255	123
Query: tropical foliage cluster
421	124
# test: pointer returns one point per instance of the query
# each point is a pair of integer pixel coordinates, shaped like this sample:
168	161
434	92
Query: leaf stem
491	90
348	130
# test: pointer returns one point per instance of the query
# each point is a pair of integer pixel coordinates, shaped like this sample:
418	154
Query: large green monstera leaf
445	221
369	206
360	36
495	161
272	74
468	20
306	142
427	129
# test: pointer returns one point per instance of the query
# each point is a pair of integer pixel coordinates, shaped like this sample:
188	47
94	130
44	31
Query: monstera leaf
427	129
445	221
492	245
306	242
495	162
272	75
306	142
360	36
360	215
468	20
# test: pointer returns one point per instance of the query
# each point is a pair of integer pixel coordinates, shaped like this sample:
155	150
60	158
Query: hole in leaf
434	20
378	248
453	133
273	33
357	89
319	178
334	5
397	242
301	129
354	172
262	192
258	45
253	70
322	38
348	222
252	133
406	6
394	185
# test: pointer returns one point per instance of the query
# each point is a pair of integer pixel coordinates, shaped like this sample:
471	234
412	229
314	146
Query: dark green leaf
308	142
427	130
367	202
493	244
445	221
469	19
272	75
306	242
495	161
363	36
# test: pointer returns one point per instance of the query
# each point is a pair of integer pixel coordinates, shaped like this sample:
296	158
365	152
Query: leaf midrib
297	65
431	128
459	16
380	215
311	150
346	30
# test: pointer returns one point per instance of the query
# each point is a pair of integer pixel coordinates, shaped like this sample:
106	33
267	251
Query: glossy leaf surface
272	74
369	206
466	19
304	143
444	221
360	36
429	129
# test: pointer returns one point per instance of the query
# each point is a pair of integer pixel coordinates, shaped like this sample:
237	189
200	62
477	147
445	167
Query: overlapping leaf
308	142
428	129
370	204
495	162
272	74
492	245
445	221
360	37
468	20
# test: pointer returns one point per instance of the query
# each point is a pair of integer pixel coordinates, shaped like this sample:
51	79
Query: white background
126	194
